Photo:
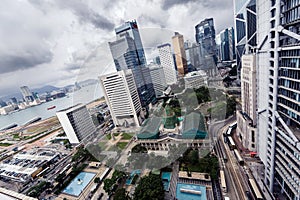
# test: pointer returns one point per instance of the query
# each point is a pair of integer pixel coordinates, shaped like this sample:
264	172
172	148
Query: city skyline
56	48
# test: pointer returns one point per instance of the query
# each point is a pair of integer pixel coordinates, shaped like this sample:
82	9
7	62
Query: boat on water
50	108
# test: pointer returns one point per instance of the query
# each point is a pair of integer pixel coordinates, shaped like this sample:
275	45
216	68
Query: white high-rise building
278	115
246	118
158	79
121	95
167	62
76	122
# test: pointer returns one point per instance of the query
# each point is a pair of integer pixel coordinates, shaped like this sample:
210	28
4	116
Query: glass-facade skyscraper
227	45
128	53
245	28
278	96
205	37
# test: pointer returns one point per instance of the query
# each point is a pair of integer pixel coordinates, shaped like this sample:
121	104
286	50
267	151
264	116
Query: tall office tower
158	79
128	53
2	103
245	29
227	45
27	94
246	118
13	100
279	94
131	28
167	62
180	57
192	51
76	122
121	95
205	37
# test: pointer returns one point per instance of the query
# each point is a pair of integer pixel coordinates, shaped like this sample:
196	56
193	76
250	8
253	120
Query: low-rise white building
195	79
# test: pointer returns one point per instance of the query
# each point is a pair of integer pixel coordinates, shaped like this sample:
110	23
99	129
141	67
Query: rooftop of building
195	73
72	108
163	45
150	128
194	126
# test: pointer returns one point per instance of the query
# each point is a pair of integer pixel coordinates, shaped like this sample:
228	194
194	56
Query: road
235	179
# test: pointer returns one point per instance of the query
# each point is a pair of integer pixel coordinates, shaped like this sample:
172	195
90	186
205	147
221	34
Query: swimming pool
130	178
78	184
166	178
188	196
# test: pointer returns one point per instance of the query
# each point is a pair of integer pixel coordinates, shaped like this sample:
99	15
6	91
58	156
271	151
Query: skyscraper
167	62
128	53
227	45
279	94
246	118
245	28
205	37
121	94
180	57
76	122
158	79
131	28
27	94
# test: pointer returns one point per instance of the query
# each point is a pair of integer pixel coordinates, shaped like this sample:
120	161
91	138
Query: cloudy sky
58	42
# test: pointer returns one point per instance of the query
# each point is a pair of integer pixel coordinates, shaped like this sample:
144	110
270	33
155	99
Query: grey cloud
86	14
166	4
25	60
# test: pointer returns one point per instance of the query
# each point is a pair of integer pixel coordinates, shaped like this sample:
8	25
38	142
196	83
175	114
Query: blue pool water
188	196
166	178
129	179
75	187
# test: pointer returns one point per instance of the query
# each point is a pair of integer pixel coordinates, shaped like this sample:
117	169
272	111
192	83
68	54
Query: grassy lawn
102	145
122	145
127	136
108	136
113	148
5	144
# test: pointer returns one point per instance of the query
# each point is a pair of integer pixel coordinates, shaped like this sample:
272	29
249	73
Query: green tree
97	180
108	185
149	187
120	194
193	157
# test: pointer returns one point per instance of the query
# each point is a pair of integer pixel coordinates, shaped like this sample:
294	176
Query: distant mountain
88	82
44	89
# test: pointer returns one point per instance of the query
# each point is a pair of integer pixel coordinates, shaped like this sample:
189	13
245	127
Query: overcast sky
58	42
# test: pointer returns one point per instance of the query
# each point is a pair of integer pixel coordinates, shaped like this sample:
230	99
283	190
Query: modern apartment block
279	94
121	94
246	118
158	79
76	122
245	29
180	57
167	62
128	53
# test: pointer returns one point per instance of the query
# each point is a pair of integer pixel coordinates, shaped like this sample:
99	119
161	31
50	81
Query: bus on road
238	157
255	190
223	181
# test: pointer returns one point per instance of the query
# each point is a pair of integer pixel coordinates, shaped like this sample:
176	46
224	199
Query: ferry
50	108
